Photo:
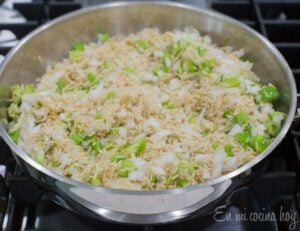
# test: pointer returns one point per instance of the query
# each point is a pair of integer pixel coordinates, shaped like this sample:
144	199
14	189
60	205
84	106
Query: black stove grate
279	21
41	11
23	207
37	13
271	194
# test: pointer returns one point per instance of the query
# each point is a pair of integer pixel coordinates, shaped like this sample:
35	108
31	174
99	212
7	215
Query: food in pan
146	111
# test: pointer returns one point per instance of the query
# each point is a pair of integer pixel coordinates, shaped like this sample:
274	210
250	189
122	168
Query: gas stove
270	201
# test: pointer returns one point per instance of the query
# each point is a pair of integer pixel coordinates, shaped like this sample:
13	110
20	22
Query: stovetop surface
268	202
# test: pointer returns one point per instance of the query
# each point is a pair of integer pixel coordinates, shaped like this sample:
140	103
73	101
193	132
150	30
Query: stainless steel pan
49	43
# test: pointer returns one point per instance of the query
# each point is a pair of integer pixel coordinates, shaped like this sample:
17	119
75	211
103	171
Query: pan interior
52	42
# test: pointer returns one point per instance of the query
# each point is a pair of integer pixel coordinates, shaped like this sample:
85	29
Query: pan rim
209	183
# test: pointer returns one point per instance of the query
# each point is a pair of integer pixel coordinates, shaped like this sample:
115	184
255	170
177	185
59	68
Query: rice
146	111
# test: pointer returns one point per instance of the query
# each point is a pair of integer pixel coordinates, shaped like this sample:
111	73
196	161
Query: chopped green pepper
180	69
103	37
88	142
191	166
128	70
107	66
78	138
271	128
40	157
95	181
154	179
228	113
244	139
204	131
248	128
110	145
18	91
54	163
241	118
13	111
269	93
61	84
166	58
15	135
184	166
182	169
177	47
93	144
125	168
91	78
99	115
190	66
192	120
201	51
228	149
260	142
274	124
75	54
119	156
113	131
215	145
181	182
136	148
141	45
93	81
160	71
231	82
111	95
169	104
277	117
29	89
207	66
78	46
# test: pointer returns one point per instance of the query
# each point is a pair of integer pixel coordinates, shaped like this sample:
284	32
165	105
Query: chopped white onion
217	165
230	164
121	114
130	124
166	158
97	91
174	83
139	163
136	175
158	136
200	157
122	132
152	123
157	170
235	130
